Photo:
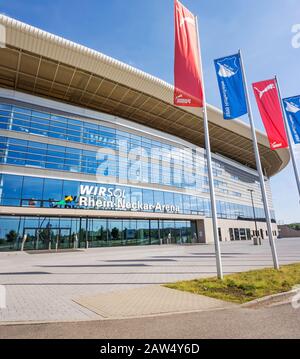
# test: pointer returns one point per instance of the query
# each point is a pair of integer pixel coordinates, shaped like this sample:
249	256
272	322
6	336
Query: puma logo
262	92
189	20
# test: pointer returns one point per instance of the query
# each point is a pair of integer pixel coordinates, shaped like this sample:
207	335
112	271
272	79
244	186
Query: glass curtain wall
47	233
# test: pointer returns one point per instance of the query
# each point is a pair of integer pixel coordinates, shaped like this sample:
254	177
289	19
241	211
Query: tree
11	236
115	233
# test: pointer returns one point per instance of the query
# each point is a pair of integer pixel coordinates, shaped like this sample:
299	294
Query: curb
270	298
101	319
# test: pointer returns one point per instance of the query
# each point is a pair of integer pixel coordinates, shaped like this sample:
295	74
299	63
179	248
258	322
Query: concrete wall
226	224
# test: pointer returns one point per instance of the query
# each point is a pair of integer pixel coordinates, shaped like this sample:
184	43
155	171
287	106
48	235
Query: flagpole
259	168
289	137
210	172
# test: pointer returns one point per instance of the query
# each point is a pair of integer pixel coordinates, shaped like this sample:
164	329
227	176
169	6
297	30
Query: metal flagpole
210	172
289	137
259	168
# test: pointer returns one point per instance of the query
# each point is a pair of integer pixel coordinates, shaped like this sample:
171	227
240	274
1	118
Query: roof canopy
43	64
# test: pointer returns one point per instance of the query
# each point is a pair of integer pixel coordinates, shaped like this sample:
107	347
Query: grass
246	286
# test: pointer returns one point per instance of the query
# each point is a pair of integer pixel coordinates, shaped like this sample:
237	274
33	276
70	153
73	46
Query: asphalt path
281	321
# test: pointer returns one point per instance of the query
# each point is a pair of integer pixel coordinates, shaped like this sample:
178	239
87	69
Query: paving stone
42	287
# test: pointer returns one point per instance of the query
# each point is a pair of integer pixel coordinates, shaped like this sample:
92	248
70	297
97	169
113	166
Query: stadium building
94	153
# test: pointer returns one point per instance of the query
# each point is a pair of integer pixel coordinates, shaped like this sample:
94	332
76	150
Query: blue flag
292	110
230	79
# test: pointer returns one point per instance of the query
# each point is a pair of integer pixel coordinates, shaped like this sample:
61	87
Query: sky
141	33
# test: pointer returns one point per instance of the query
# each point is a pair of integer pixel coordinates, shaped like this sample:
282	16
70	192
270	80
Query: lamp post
253	209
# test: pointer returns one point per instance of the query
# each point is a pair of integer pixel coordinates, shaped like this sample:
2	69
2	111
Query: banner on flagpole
230	81
292	110
187	76
268	102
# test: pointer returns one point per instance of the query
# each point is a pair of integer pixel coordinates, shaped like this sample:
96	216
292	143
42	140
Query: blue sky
140	33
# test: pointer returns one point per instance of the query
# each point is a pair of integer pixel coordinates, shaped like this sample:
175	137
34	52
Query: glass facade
114	168
63	143
36	192
45	233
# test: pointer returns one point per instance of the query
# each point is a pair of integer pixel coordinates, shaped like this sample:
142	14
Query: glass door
65	238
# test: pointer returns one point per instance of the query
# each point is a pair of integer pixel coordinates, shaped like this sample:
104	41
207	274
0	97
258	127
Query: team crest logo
292	107
228	67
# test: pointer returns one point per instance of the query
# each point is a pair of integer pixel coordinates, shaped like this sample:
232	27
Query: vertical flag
292	110
236	102
230	81
268	102
188	84
190	91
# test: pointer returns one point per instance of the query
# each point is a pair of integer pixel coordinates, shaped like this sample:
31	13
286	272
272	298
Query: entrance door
167	232
47	238
31	238
65	239
60	238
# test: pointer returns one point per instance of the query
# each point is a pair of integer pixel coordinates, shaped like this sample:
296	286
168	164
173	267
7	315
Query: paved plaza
46	287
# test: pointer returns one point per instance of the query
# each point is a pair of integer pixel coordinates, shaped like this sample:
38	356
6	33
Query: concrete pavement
43	287
148	301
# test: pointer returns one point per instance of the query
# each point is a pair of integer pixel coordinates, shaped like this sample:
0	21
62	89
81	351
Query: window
194	205
74	132
186	204
32	193
143	232
248	233
148	197
10	190
231	234
58	127
169	198
21	123
90	133
4	107
178	201
243	234
136	195
129	231
72	160
4	116
55	157
3	147
39	126
220	234
36	154
98	234
52	191
88	162
236	234
154	232
21	110
10	230
16	152
158	197
71	188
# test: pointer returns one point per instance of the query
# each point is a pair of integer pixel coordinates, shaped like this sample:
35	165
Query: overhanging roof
43	64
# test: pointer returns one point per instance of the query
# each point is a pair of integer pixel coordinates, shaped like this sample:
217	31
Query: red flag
268	102
187	75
